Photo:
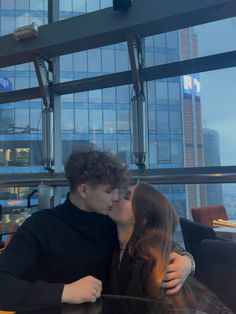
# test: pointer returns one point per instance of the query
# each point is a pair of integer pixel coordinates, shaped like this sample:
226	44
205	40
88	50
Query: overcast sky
218	88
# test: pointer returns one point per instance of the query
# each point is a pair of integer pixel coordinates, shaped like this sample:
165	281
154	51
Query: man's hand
178	270
87	289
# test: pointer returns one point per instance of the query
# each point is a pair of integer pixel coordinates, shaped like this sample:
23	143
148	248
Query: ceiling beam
107	27
197	65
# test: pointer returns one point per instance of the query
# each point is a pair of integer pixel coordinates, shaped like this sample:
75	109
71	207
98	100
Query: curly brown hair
95	167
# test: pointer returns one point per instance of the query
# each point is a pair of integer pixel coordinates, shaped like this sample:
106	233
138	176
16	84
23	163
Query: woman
146	221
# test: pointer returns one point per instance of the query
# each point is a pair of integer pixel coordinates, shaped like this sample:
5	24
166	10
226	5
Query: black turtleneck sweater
54	247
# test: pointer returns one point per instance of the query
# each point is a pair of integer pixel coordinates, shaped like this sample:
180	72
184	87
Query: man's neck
77	201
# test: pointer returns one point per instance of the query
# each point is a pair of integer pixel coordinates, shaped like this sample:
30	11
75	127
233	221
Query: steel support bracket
44	72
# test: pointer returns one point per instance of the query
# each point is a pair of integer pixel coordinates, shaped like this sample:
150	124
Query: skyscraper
211	141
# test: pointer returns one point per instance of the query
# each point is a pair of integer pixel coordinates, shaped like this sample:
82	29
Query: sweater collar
78	213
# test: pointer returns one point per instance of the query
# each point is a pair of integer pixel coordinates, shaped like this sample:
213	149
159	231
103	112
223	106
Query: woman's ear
83	190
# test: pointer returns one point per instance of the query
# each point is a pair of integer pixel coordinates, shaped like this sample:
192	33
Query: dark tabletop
115	305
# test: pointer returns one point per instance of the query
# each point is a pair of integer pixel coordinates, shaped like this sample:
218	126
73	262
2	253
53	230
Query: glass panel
109	117
7	4
94	62
123	120
6	120
21	137
21	120
95	120
81	120
188	43
67	120
21	12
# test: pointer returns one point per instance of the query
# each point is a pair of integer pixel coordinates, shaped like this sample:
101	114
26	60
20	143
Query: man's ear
83	190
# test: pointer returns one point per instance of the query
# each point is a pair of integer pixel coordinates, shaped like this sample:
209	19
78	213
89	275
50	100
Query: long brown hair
151	240
155	222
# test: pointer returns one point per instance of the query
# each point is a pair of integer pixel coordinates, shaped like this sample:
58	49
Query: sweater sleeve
15	292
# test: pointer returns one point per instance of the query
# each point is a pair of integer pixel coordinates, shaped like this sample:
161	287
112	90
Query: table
226	232
115	305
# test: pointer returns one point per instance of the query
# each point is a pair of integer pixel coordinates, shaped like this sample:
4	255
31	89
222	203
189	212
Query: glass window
177	152
161	92
163	149
81	121
6	120
36	153
81	97
95	120
108	60
92	5
95	96
79	6
123	95
22	5
109	121
172	40
149	59
160	40
66	63
174	93
151	95
160	58
22	156
152	120
80	61
65	5
21	120
124	152
7	4
123	120
7	25
22	20
175	122
162	122
106	3
36	5
36	120
122	60
109	95
94	60
67	120
209	43
152	152
21	82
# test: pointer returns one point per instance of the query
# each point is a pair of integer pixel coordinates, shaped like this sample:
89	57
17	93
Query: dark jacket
54	247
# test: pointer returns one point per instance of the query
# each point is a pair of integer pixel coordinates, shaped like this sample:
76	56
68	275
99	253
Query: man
63	254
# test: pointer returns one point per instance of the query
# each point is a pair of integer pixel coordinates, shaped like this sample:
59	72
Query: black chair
217	269
193	233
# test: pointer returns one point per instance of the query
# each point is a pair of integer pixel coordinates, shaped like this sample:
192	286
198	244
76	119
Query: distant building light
26	32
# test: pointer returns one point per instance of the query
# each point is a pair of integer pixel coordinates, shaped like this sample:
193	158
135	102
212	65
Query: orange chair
207	214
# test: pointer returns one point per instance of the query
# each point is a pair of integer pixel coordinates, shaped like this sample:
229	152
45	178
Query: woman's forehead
124	190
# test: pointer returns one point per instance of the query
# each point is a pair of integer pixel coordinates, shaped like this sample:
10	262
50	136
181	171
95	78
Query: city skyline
218	87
